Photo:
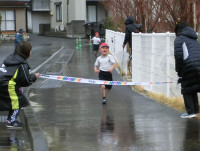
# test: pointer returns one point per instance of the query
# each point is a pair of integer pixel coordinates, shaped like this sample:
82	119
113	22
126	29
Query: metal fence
152	59
115	41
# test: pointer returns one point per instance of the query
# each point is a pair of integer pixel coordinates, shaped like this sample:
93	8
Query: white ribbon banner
92	81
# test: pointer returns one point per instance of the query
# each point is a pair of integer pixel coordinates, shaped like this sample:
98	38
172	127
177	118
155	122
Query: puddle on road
14	141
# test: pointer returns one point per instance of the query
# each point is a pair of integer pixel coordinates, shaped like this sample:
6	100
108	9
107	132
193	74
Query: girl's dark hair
23	49
179	27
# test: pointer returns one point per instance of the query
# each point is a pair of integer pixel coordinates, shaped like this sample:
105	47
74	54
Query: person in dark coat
14	74
187	66
130	27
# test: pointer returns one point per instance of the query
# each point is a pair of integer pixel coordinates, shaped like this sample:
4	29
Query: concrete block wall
75	29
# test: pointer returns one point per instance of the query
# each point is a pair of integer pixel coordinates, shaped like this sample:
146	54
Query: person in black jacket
187	66
130	27
14	74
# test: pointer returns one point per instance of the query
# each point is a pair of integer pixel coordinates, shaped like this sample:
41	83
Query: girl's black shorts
95	47
104	75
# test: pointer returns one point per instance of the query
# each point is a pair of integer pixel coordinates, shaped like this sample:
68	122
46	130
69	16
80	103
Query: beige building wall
20	15
39	19
54	23
77	10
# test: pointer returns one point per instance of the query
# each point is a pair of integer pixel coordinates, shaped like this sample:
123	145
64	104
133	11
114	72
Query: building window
92	13
40	5
8	20
59	12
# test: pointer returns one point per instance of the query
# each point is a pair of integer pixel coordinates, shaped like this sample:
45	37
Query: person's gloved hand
179	80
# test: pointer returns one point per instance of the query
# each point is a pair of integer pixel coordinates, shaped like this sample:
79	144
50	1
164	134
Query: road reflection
191	141
116	130
107	138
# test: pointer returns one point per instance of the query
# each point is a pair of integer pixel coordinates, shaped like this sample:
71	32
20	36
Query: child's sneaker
104	101
14	125
186	115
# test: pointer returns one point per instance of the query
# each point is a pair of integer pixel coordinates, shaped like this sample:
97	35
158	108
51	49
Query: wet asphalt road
73	118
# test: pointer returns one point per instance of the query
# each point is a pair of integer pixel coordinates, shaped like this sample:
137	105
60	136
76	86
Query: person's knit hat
104	45
180	26
23	49
21	31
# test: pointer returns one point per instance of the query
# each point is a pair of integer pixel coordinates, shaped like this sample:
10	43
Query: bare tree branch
155	15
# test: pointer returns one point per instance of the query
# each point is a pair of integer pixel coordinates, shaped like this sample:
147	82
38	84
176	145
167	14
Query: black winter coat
130	27
14	74
187	60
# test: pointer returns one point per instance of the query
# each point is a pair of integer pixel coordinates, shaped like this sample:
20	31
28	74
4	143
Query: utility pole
144	28
193	19
67	11
0	23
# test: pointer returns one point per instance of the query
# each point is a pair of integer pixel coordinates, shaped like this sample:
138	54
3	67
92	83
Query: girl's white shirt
96	40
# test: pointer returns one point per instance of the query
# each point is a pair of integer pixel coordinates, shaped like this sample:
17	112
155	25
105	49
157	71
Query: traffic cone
77	43
90	40
80	42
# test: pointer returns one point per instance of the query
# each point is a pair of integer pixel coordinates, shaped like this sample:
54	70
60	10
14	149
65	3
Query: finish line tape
91	81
